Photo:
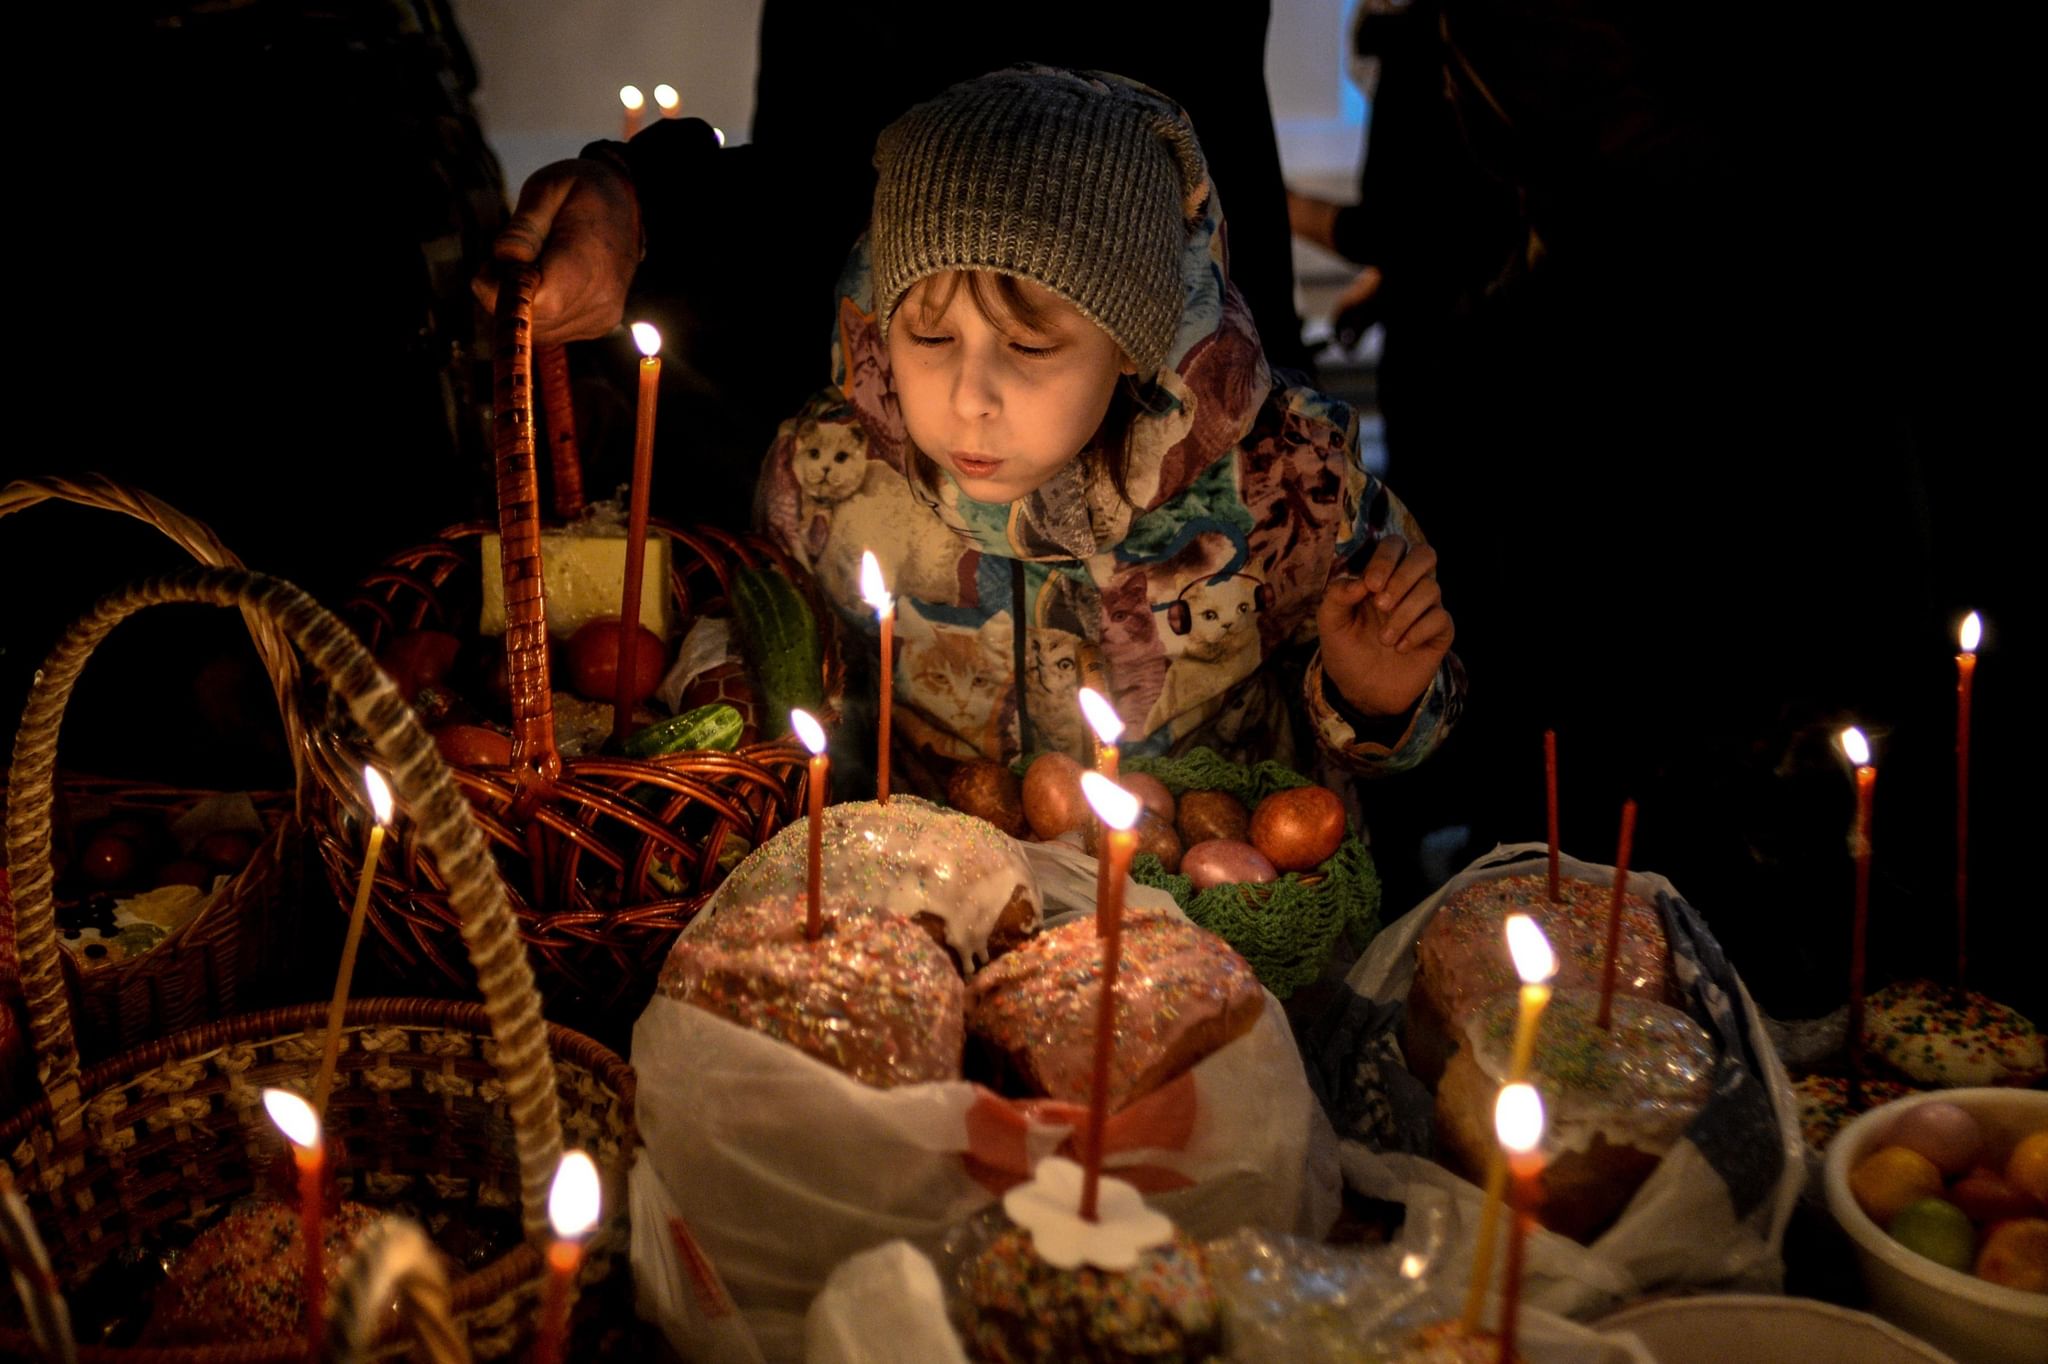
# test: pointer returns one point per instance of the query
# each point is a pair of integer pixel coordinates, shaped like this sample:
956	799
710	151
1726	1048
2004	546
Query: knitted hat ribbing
1082	182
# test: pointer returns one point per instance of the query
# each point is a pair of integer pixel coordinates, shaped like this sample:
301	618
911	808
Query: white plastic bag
783	1167
1713	1212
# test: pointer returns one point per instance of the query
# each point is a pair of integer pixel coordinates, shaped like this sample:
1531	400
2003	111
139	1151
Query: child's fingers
1340	603
1419	564
1386	556
1421	599
1433	628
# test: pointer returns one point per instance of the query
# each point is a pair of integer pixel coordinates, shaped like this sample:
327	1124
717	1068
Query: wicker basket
197	972
602	870
434	1100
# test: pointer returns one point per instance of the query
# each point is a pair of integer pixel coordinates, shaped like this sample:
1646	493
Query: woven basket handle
526	619
419	778
197	539
558	406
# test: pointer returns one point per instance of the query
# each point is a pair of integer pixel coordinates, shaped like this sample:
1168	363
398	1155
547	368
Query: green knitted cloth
1286	930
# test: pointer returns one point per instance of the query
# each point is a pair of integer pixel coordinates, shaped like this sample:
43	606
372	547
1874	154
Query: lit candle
667	100
813	736
875	593
1624	847
1857	749
1118	810
301	1126
1518	1122
1536	964
1550	802
1968	637
623	695
573	1204
630	96
330	1053
1108	727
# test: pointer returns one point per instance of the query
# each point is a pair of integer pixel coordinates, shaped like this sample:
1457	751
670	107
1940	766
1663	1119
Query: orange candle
649	341
813	736
667	100
1518	1122
635	102
1118	810
1108	725
1621	856
573	1204
330	1052
301	1126
1550	801
1857	748
876	594
1968	638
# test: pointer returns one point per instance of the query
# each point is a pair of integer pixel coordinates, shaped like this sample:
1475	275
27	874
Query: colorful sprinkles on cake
1936	1035
1021	1310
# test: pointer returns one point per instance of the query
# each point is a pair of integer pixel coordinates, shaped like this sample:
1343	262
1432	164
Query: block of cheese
582	575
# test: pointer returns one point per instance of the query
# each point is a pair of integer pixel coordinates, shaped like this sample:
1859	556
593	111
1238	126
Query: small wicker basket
465	1104
605	857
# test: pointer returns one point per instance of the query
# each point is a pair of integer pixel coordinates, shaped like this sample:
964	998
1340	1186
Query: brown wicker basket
435	1101
585	844
197	972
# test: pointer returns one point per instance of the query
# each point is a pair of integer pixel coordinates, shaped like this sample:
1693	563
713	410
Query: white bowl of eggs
1945	1198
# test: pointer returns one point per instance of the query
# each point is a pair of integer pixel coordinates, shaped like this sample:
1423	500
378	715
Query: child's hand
1385	631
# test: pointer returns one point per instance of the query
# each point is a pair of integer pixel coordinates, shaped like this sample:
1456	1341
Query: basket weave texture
460	1103
200	971
605	857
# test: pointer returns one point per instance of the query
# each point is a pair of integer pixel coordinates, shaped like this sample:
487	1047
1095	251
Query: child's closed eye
916	339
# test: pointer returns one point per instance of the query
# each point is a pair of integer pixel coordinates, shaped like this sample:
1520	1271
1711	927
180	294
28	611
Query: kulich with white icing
872	997
1616	1098
1462	961
1946	1038
1181	994
960	877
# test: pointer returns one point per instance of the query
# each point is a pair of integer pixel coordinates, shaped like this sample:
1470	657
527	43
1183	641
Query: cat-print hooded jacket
1247	496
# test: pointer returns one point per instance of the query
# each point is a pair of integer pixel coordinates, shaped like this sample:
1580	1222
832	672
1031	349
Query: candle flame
873	590
1412	1265
294	1117
380	794
1534	961
630	96
1518	1118
1117	807
1972	633
1855	746
574	1198
665	95
808	729
1102	716
648	338
719	133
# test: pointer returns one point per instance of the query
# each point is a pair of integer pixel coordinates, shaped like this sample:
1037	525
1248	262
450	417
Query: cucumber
716	726
780	639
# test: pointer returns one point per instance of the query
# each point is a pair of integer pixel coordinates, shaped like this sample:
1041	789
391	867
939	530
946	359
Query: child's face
1001	406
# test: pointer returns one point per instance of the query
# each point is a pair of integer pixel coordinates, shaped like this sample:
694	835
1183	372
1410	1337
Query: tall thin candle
813	736
875	593
1108	727
634	102
1968	637
301	1126
330	1051
1518	1122
1857	749
1621	856
1550	804
1119	811
667	100
624	695
573	1204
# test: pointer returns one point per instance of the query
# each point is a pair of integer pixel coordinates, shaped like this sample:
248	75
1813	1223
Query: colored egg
2016	1254
1937	1229
1942	1132
1218	861
1885	1181
2027	1168
1988	1196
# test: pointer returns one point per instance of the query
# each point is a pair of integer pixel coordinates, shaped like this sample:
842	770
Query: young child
1052	422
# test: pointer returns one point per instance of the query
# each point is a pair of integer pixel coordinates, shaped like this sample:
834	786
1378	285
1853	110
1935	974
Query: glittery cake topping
1021	1310
1039	1002
907	858
1640	1082
872	997
1824	1104
1447	1342
244	1278
1936	1035
1464	950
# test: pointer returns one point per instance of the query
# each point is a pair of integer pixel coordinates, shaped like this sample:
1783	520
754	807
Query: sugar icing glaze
906	858
1640	1083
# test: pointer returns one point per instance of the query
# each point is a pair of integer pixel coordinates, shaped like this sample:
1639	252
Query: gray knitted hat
1083	182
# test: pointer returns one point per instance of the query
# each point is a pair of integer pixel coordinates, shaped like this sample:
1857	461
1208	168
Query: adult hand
580	221
1385	631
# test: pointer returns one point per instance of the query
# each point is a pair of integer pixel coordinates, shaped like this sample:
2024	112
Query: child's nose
975	391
